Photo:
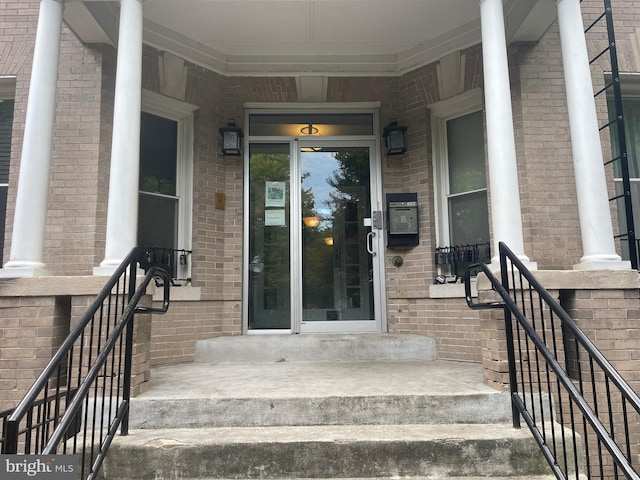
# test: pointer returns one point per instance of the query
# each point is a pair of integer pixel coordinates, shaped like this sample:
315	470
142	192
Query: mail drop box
402	220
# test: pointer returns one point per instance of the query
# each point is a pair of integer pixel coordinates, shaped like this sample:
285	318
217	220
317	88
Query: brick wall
549	208
75	172
29	337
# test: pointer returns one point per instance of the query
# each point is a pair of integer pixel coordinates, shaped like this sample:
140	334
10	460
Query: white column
122	209
27	240
506	216
593	200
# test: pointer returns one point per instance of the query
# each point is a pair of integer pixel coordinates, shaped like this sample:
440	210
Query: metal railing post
128	355
11	441
511	356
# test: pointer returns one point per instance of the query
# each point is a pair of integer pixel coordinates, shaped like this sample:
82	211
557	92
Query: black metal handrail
82	396
582	413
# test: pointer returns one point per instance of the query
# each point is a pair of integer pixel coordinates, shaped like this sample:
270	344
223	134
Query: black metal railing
582	413
81	399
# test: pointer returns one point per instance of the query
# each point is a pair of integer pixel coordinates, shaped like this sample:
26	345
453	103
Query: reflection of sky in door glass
320	166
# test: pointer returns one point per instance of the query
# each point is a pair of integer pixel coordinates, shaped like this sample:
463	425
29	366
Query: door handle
370	236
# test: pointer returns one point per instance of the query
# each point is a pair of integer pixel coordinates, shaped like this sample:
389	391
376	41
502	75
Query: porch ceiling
320	37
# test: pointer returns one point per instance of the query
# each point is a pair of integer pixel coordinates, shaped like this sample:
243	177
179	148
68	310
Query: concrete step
318	393
296	348
325	452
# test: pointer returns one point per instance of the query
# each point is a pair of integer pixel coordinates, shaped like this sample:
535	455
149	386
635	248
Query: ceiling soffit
317	37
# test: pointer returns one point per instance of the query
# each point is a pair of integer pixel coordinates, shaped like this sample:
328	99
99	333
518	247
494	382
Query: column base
603	265
24	269
104	271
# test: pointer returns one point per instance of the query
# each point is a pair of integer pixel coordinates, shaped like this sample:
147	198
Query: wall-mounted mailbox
402	220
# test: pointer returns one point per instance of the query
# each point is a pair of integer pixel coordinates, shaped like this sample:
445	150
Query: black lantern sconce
394	138
231	138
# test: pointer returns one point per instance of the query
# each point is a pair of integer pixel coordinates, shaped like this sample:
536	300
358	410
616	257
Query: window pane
158	205
269	207
631	108
469	219
158	154
336	267
6	130
622	213
157	221
465	146
3	217
6	127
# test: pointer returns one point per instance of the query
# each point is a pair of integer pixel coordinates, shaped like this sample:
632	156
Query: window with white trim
7	95
166	178
462	214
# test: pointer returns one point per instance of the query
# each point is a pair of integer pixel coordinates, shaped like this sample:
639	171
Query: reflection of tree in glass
317	263
353	171
350	183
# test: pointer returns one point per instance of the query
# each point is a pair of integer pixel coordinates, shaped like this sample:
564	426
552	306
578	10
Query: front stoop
351	412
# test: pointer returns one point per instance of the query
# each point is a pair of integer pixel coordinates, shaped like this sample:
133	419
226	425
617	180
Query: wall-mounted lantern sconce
394	138
231	138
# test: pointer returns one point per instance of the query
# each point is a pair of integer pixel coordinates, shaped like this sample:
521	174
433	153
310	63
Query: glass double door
313	264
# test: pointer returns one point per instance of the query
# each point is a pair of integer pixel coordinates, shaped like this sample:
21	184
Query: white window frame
441	112
182	113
